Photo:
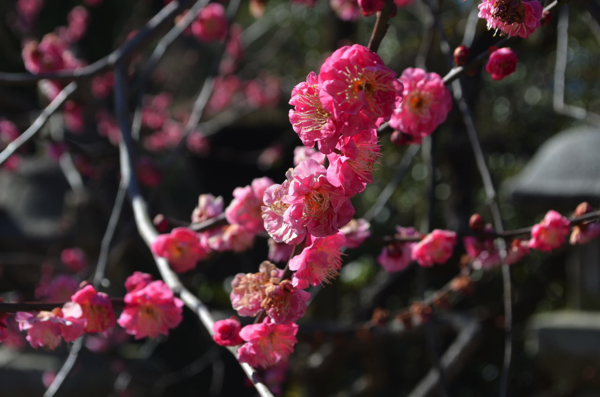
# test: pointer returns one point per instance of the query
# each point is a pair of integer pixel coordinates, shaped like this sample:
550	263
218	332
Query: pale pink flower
346	10
230	238
248	290
502	63
356	232
97	309
319	262
284	302
267	343
351	165
208	207
512	17
150	310
302	153
370	7
584	232
436	247
358	89
279	252
425	105
46	329
245	208
550	233
397	256
211	23
273	212
181	248
314	203
269	157
74	322
227	332
74	259
516	251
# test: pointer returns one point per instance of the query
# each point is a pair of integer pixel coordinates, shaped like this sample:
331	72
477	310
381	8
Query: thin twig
163	17
381	26
146	228
66	368
38	123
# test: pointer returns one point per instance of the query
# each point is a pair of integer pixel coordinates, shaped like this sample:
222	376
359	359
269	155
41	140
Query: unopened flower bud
476	222
161	223
461	55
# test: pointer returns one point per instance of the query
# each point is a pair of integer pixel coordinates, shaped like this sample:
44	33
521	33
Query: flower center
509	11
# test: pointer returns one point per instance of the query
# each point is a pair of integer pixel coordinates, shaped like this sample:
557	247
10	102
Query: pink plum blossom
74	259
227	332
425	105
550	233
248	290
314	203
397	256
279	252
584	232
137	280
211	23
516	251
50	55
264	91
302	153
358	89
370	7
97	309
46	329
208	207
230	238
284	302
245	208
29	9
502	63
512	17
351	166
482	250
309	119
150	310
267	344
436	247
319	262
181	248
61	288
356	231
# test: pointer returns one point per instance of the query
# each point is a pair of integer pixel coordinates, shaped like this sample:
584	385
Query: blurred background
540	160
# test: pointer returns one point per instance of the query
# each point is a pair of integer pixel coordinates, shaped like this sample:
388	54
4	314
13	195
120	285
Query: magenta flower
97	309
227	332
516	251
356	231
502	63
370	7
314	202
150	310
319	262
284	302
50	55
436	247
358	89
351	166
512	17
309	119
181	248
248	290
211	23
550	233
267	343
245	208
302	153
74	259
425	105
397	256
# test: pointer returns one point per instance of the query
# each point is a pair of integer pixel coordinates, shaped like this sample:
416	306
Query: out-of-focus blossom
502	63
181	248
29	9
73	117
264	91
550	233
356	231
346	10
436	247
74	259
584	232
516	251
148	172
370	7
279	252
211	23
302	153
425	104
397	256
